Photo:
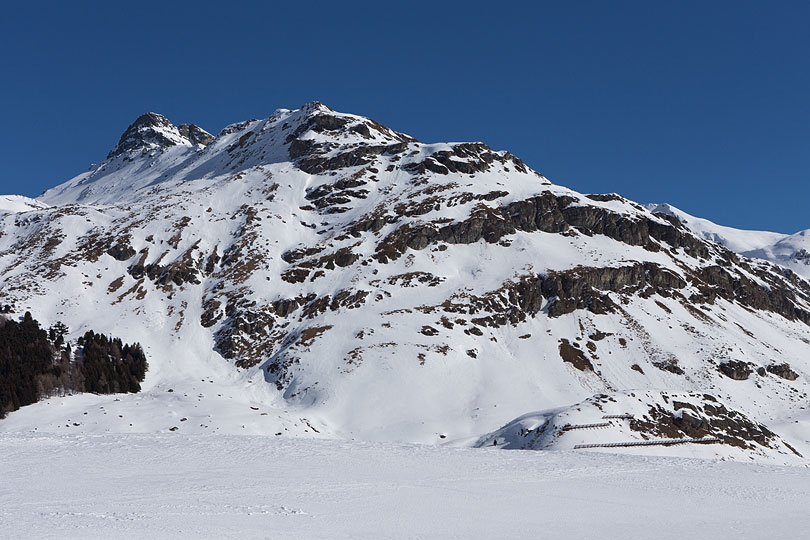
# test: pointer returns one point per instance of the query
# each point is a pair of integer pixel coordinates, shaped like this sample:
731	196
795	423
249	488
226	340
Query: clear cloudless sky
705	105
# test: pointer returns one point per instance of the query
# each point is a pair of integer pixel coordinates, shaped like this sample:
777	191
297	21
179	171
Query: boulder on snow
735	369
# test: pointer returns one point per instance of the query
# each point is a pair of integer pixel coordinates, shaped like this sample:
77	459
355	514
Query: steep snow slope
131	166
791	251
736	240
19	203
316	273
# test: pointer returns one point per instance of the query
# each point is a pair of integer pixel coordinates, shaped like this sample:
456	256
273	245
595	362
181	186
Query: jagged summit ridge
314	139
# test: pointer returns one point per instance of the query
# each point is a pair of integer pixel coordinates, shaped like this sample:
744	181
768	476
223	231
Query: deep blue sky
705	105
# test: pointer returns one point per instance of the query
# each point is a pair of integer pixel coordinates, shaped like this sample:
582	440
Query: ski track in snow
220	486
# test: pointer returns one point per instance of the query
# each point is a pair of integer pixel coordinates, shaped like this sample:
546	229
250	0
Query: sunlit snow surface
789	250
19	203
244	487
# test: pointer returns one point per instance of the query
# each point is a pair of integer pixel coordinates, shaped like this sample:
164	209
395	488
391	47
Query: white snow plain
178	487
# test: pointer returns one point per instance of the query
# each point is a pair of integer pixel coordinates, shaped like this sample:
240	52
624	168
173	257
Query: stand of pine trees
35	364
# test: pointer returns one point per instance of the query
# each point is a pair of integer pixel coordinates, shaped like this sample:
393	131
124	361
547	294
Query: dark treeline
35	363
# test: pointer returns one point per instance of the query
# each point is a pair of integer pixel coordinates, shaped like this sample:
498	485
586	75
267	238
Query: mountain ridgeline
360	283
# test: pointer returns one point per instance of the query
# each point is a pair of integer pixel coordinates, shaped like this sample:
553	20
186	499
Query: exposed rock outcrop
734	369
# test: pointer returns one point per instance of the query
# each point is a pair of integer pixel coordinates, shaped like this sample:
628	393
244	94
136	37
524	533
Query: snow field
176	487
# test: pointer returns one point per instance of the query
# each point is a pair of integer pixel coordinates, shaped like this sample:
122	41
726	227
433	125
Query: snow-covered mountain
19	203
788	250
792	251
315	273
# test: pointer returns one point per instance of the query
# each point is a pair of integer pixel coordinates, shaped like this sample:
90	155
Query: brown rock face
706	419
691	424
734	369
783	370
574	356
121	251
195	134
554	214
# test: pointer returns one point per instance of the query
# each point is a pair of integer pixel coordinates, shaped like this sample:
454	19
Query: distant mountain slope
791	251
317	273
19	203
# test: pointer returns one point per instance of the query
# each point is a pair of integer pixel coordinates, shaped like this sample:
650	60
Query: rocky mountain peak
150	119
314	107
318	121
195	134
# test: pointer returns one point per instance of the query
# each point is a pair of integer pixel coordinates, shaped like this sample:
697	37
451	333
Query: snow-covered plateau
351	333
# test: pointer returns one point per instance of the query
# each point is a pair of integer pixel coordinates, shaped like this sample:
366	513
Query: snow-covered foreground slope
317	274
228	487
